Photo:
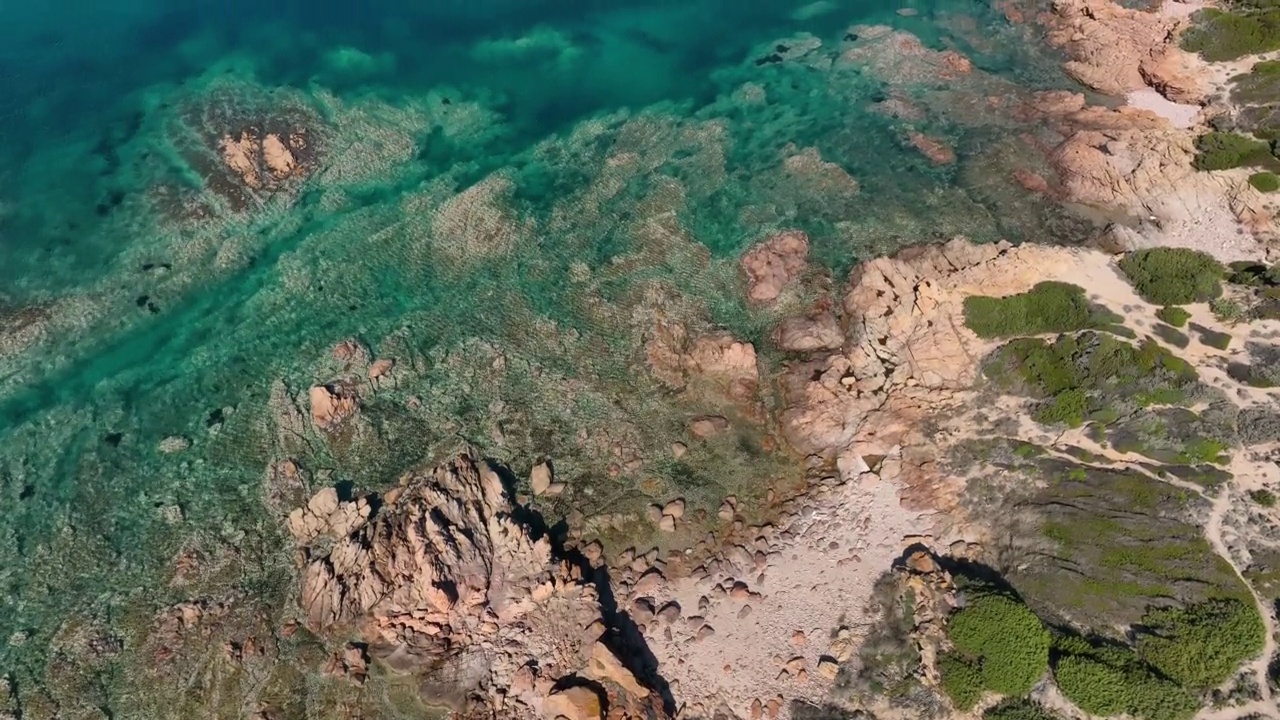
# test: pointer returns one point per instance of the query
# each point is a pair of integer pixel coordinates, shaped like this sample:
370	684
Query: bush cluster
1049	307
1224	150
1079	376
1000	646
1173	276
1263	497
1201	645
1245	28
1112	682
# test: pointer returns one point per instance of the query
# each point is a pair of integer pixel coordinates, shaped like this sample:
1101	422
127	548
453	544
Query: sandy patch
1179	115
793	593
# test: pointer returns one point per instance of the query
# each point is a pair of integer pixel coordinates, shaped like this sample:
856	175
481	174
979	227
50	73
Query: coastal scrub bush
1201	645
1244	28
1173	315
1173	276
1227	311
1224	150
1176	338
1267	182
1084	376
961	680
1263	497
1113	680
1049	307
999	636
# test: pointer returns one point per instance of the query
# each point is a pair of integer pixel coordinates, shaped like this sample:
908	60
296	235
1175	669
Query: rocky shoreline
906	464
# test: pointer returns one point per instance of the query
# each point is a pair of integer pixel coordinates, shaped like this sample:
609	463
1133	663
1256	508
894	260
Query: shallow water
621	154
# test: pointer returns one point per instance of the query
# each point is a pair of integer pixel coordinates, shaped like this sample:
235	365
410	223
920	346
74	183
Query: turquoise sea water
505	195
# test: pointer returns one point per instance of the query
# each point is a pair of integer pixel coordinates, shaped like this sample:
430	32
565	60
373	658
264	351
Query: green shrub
1223	151
1068	407
1267	182
1246	29
1176	338
1227	311
1083	377
1112	681
1097	688
1049	307
1173	315
1019	709
1212	338
961	680
1004	639
1202	645
1173	276
1264	497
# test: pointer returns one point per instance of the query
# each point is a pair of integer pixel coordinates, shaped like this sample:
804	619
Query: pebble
744	612
696	621
667	524
675	508
795	665
798	638
757	709
704	632
773	707
678	449
740	591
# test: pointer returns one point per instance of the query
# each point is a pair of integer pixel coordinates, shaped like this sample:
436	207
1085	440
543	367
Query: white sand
1179	115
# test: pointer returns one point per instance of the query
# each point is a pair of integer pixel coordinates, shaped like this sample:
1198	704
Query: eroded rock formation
443	582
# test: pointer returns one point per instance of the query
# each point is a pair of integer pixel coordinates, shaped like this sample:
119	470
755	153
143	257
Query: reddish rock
937	151
769	267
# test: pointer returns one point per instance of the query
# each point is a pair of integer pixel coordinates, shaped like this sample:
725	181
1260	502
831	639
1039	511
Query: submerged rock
771	266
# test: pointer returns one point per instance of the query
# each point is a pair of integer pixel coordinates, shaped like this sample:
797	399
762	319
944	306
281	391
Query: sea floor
509	200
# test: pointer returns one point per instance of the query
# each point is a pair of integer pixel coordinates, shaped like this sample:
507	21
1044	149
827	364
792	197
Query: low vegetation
1200	646
1173	337
1212	338
1000	646
1226	310
1173	276
1263	497
1175	316
1049	307
1107	680
1225	150
1267	182
1243	27
1082	376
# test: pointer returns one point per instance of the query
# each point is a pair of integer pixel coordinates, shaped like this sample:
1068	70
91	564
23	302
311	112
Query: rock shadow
623	635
